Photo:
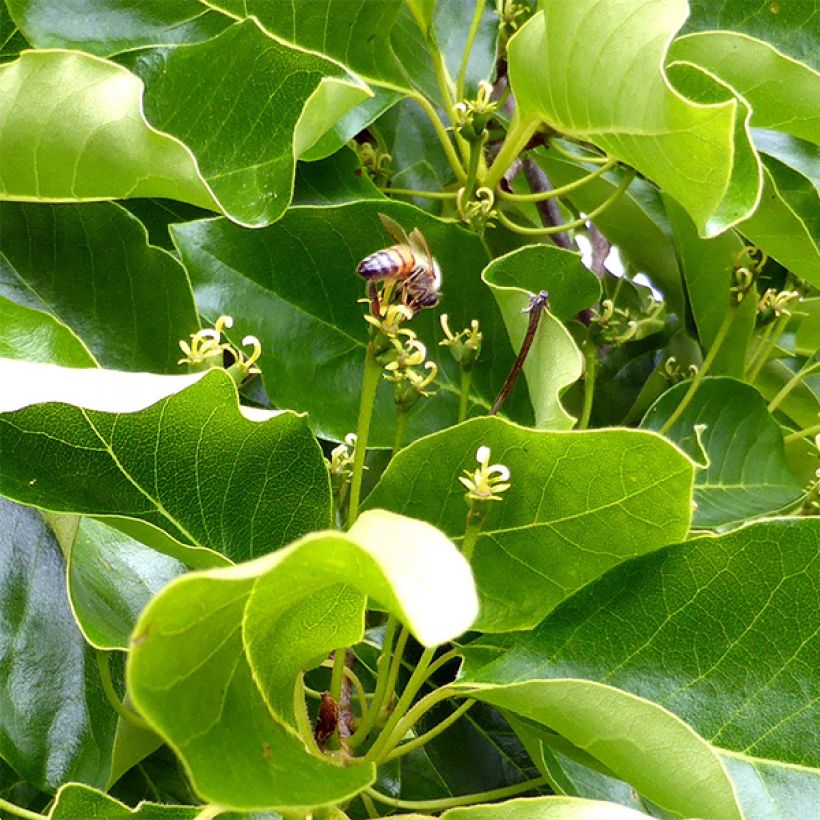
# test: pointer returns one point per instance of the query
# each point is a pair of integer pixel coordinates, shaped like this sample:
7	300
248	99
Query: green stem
720	337
19	811
369	805
461	800
468	47
209	812
370	384
576	223
590	368
421	740
415	683
357	685
414	192
441	132
475	518
111	693
301	715
591	158
540	196
401	426
764	349
383	669
337	674
476	150
804	433
792	383
464	395
517	137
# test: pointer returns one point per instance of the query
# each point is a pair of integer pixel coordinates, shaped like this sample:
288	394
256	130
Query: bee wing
394	229
418	243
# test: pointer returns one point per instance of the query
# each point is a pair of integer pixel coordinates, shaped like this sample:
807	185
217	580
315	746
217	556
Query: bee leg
375	305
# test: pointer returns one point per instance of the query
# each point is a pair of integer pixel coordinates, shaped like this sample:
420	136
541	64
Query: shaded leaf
90	266
35	336
747	474
563	71
579	504
75	800
294	285
111	578
333	181
190	464
55	723
215	656
117	25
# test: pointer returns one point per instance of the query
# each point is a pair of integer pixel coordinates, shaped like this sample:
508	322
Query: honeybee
408	263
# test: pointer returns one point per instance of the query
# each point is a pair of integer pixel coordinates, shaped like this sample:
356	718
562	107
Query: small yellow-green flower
465	345
206	345
485	483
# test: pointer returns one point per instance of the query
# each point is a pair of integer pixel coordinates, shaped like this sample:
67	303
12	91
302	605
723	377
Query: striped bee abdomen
396	262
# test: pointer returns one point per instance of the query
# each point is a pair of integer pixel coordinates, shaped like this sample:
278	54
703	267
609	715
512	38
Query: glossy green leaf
55	724
554	361
788	26
107	147
747	474
12	41
90	266
801	405
451	24
294	285
721	631
545	808
354	32
641	742
807	333
75	800
333	181
782	101
579	504
111	578
190	464
707	266
620	99
216	655
36	336
636	222
787	222
117	25
799	155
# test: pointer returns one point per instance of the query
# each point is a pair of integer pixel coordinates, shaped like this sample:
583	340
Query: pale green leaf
545	808
579	504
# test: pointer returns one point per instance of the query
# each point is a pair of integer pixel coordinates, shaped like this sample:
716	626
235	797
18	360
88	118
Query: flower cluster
465	346
409	383
376	163
341	462
774	304
614	325
674	373
485	483
472	116
207	349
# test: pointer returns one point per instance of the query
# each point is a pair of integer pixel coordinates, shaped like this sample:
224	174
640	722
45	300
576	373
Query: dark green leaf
111	578
115	25
579	504
294	285
333	181
91	268
747	474
75	801
55	724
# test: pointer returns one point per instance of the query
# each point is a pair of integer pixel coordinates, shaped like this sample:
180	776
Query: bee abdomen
390	262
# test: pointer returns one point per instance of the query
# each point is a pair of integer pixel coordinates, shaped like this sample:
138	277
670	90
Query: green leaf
799	155
355	32
721	631
75	800
545	808
115	25
111	578
107	147
215	656
333	181
635	222
12	41
566	69
191	464
554	362
451	24
294	285
36	336
778	89
90	266
747	474
787	222
55	724
707	266
642	743
579	504
787	26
